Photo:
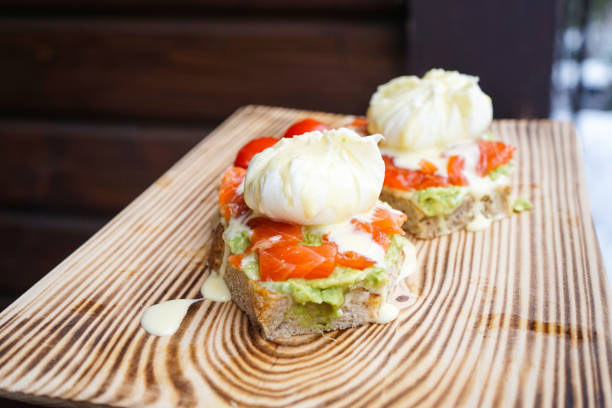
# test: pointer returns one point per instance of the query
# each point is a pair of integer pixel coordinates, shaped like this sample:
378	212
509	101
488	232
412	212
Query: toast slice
487	208
272	311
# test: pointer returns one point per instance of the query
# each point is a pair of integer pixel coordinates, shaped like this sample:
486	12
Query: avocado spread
320	300
310	237
239	242
438	200
503	170
521	204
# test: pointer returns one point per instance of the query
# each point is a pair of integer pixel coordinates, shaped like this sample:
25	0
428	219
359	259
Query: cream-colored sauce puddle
164	319
387	313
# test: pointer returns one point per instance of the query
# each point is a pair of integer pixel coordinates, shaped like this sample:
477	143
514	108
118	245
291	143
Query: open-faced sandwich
304	245
443	169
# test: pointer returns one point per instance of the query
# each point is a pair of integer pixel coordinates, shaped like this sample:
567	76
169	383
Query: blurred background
582	93
98	98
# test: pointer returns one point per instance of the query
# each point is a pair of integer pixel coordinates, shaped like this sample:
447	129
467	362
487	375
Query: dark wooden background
98	98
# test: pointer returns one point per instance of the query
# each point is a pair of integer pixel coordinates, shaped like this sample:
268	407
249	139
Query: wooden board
517	314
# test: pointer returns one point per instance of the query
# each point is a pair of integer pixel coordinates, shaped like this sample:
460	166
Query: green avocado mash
311	238
313	315
239	242
488	136
503	170
438	200
250	266
521	204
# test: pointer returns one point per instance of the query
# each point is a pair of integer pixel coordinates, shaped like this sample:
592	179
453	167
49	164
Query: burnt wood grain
518	314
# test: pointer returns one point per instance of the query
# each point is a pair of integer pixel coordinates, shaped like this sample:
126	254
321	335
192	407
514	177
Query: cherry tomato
244	156
303	126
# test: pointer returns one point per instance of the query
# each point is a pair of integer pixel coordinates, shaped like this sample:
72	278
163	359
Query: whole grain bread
270	311
492	206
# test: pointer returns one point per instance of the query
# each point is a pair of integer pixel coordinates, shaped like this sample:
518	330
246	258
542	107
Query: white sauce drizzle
236	226
348	238
409	159
164	319
387	313
478	223
240	188
215	289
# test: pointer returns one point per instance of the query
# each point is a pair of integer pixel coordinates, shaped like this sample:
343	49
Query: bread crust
493	206
267	309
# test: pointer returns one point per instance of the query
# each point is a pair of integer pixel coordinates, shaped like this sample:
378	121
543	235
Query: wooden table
517	314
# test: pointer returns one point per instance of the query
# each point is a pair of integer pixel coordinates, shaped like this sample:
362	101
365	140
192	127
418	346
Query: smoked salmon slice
232	204
268	233
280	263
408	180
454	169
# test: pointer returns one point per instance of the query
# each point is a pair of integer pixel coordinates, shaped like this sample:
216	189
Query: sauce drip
214	289
479	223
164	319
387	313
